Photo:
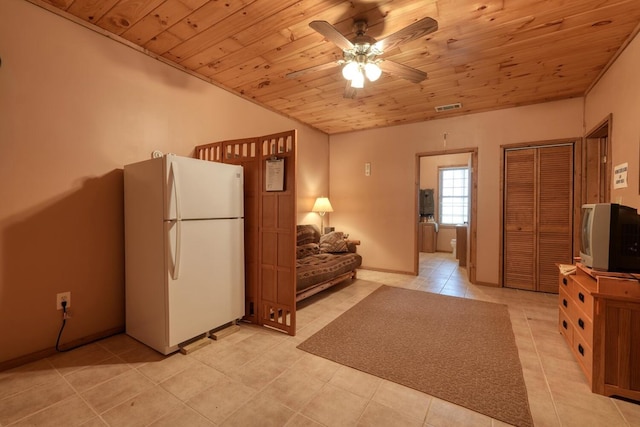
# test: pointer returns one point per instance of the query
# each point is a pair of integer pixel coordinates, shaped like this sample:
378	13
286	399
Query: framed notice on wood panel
275	175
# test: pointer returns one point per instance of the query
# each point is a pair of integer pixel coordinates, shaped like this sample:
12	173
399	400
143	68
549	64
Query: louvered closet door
519	219
555	205
538	224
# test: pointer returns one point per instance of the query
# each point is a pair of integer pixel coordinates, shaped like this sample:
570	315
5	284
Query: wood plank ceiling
486	54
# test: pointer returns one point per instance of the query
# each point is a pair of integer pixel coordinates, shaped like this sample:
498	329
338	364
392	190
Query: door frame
577	185
473	208
599	135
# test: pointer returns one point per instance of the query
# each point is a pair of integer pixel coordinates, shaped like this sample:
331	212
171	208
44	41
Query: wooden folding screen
538	216
270	225
277	295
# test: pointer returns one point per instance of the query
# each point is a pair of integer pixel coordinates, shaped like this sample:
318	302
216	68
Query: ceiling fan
361	55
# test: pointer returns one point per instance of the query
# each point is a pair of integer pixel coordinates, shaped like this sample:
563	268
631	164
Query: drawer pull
581	349
581	323
564	324
564	281
581	296
564	302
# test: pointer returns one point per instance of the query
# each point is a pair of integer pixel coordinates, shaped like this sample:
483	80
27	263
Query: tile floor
257	377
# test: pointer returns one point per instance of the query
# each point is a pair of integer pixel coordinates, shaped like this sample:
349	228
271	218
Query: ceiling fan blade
417	29
412	74
331	34
320	67
349	91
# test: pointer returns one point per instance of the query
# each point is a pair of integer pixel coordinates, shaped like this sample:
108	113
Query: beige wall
75	107
429	179
618	93
379	209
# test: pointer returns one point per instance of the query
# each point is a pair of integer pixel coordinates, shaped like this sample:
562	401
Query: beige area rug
456	349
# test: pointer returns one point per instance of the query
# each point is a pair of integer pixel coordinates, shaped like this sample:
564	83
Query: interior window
454	195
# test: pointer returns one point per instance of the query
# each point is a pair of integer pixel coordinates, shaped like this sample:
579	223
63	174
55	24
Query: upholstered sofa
323	261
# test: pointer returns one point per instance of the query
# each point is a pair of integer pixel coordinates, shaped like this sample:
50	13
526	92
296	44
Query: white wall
379	209
75	107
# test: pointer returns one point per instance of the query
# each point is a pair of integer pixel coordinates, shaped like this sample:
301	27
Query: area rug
456	349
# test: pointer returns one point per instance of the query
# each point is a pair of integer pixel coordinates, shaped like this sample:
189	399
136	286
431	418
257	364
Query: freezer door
199	189
208	290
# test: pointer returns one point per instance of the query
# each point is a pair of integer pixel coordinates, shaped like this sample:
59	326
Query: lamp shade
349	70
372	71
322	205
358	80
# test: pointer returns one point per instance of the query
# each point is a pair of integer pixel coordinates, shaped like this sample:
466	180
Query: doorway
428	169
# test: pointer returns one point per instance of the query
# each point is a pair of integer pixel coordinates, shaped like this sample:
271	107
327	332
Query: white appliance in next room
184	249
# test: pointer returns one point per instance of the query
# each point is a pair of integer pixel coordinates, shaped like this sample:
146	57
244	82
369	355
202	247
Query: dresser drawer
582	324
564	300
564	282
582	298
584	354
565	326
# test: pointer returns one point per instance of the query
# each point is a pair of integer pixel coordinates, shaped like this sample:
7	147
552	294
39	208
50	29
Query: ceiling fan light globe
357	81
350	70
372	71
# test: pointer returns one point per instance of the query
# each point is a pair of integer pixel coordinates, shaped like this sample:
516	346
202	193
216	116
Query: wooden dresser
599	317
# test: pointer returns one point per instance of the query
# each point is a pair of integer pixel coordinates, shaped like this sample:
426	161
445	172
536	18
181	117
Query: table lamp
322	206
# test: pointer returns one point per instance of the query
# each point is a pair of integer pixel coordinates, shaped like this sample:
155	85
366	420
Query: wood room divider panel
270	224
278	232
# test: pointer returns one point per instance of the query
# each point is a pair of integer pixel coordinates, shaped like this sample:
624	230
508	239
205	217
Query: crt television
610	237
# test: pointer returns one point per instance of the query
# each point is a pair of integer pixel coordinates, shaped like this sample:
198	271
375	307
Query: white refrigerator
184	249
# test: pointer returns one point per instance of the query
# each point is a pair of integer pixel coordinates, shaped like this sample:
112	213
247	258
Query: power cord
64	321
65	316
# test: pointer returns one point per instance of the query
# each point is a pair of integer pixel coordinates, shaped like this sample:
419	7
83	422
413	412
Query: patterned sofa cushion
333	242
306	250
316	269
307	233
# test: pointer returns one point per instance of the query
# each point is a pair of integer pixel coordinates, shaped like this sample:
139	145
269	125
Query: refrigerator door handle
173	246
176	189
176	264
176	196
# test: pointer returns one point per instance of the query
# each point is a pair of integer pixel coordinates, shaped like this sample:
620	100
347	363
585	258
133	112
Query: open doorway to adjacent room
446	200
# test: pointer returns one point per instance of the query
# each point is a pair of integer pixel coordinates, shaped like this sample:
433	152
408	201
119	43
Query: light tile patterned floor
257	377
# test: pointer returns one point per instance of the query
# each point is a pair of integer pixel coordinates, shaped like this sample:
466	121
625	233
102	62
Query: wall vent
448	107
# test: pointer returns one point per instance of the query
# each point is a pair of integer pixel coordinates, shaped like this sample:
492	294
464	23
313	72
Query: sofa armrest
352	245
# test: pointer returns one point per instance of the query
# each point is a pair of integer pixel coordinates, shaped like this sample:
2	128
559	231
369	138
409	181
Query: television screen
630	235
585	245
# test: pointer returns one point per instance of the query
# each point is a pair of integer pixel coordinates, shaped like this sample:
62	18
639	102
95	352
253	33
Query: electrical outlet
63	296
